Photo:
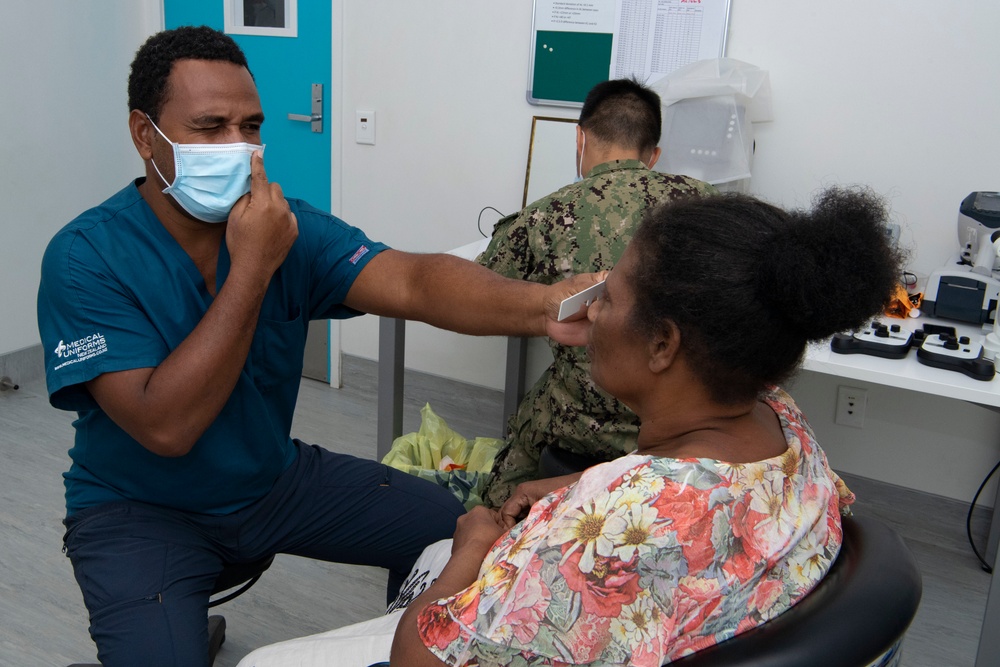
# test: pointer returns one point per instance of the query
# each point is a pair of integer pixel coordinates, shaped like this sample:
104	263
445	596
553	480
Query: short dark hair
749	284
623	112
147	81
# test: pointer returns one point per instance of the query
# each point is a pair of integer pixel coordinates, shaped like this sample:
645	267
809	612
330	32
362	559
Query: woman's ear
664	347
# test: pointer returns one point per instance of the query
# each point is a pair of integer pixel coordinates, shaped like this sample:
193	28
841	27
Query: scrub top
118	292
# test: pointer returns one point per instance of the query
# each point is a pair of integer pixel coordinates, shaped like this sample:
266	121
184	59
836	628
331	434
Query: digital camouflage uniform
581	228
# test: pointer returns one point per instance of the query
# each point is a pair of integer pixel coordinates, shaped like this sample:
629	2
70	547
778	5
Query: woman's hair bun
832	268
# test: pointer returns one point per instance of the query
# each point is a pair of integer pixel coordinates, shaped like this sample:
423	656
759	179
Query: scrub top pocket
277	351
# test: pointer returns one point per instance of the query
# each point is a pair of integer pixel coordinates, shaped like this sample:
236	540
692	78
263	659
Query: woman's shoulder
643	478
798	432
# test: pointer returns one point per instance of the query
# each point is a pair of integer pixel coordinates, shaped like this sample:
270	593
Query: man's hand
573	330
261	227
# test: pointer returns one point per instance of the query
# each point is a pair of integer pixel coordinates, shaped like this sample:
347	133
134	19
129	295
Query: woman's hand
477	531
475	534
528	493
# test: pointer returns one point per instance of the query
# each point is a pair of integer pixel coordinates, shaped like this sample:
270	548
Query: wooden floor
43	620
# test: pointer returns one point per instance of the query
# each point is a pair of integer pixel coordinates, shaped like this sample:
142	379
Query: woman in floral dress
728	512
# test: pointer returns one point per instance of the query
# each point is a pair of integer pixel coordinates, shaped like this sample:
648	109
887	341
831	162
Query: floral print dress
646	559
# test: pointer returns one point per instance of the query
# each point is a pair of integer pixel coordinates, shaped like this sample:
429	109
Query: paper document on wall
656	37
575	15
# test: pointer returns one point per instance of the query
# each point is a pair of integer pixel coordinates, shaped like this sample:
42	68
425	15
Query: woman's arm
528	493
475	535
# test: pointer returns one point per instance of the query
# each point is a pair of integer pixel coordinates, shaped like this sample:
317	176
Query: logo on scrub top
361	252
85	348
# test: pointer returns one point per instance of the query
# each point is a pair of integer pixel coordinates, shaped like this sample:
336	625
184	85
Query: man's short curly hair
147	81
623	112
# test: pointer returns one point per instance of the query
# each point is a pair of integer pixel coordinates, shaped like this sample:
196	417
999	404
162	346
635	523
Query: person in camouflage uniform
583	227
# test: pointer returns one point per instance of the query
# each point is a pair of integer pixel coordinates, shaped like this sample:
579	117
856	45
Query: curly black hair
749	284
147	81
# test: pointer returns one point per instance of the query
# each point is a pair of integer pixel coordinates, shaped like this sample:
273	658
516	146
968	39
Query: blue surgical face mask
208	178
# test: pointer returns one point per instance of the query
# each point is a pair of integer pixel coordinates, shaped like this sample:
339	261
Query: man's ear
653	157
142	131
664	347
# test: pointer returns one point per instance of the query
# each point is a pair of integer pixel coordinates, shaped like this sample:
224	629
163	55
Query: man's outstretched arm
452	293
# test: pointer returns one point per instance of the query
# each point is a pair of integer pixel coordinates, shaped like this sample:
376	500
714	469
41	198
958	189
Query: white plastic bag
709	108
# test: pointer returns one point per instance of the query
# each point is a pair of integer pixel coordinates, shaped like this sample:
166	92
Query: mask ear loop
172	148
583	147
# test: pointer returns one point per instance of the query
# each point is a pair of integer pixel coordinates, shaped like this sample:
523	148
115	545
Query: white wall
65	147
898	94
447	80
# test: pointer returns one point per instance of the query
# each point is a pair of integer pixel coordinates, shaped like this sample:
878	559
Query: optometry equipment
967	289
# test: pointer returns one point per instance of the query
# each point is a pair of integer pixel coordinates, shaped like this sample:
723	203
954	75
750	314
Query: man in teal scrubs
173	318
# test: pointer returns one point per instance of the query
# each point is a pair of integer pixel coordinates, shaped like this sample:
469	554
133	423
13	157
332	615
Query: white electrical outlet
851	404
364	127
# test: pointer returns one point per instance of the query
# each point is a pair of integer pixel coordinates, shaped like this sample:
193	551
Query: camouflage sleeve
704	189
686	186
509	252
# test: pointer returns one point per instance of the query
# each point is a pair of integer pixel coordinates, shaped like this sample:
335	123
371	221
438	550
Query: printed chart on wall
578	43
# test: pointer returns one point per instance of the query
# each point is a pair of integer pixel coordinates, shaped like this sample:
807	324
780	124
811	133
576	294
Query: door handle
316	117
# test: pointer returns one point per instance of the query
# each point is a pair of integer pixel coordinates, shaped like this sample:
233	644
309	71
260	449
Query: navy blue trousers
147	572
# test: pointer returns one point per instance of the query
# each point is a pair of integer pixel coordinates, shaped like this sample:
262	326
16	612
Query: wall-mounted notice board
578	43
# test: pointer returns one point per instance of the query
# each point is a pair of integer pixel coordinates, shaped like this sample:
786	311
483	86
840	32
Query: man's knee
154	631
437	507
147	598
118	572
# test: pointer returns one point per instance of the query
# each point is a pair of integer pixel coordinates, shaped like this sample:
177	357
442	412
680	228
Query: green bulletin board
578	43
568	64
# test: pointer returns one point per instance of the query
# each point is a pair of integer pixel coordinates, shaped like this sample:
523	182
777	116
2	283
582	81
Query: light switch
364	127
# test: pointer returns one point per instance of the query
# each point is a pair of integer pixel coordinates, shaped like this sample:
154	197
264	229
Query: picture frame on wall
551	156
269	18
